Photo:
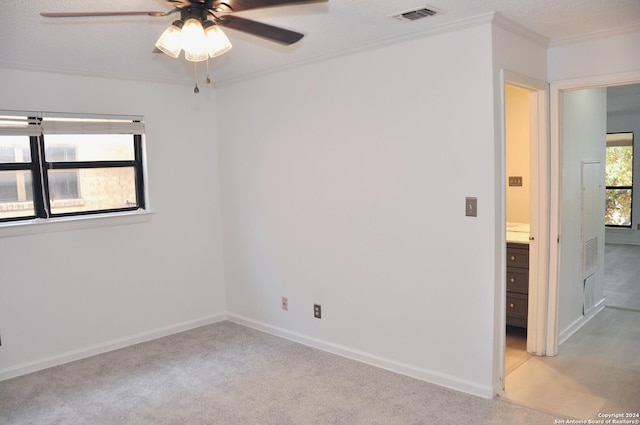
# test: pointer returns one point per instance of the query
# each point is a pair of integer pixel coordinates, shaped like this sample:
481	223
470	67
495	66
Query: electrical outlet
317	311
285	303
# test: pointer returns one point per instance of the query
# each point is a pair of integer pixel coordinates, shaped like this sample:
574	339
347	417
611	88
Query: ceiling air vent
415	14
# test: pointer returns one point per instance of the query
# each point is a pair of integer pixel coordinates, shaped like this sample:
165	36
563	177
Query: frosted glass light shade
196	56
217	41
170	41
194	41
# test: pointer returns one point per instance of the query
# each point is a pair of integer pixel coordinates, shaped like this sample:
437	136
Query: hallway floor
516	352
596	371
598	368
622	276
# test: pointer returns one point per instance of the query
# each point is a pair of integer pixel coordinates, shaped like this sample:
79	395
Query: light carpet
227	374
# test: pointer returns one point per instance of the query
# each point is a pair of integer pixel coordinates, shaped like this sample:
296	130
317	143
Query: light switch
471	207
515	180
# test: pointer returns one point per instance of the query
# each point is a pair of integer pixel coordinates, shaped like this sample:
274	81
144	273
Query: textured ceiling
121	46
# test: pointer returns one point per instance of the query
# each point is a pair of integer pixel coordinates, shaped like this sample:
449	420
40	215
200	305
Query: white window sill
61	224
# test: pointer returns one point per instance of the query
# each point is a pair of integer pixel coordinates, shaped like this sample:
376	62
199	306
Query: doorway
526	197
566	380
564	320
518	122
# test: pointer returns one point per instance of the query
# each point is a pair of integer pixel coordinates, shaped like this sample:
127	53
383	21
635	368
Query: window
53	166
62	184
8	187
619	179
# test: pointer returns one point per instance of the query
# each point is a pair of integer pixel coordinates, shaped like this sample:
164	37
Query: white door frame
539	195
555	201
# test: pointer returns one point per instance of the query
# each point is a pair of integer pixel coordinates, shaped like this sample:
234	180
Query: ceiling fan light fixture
198	32
217	41
194	41
170	42
196	56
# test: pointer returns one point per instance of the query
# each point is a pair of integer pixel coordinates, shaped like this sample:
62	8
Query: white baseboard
370	359
498	388
566	333
34	366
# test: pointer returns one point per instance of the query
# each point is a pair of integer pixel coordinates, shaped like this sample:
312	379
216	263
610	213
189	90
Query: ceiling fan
197	31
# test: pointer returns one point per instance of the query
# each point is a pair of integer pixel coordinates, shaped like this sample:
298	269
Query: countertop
518	232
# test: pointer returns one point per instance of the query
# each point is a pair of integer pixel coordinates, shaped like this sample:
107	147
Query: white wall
616	54
344	184
68	294
518	157
584	132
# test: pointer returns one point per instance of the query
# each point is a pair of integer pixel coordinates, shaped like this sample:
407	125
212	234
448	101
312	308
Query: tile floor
597	369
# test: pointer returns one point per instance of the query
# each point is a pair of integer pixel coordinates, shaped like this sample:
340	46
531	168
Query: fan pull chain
196	90
208	77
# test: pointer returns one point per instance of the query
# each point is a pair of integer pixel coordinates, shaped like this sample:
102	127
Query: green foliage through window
619	179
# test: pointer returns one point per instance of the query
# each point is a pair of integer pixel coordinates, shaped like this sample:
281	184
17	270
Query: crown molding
493	18
597	35
520	30
460	24
95	74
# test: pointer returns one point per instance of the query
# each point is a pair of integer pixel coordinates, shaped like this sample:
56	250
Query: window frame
623	187
40	167
71	177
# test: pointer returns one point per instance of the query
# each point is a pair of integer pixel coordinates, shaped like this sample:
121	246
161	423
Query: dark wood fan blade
238	5
91	14
279	35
